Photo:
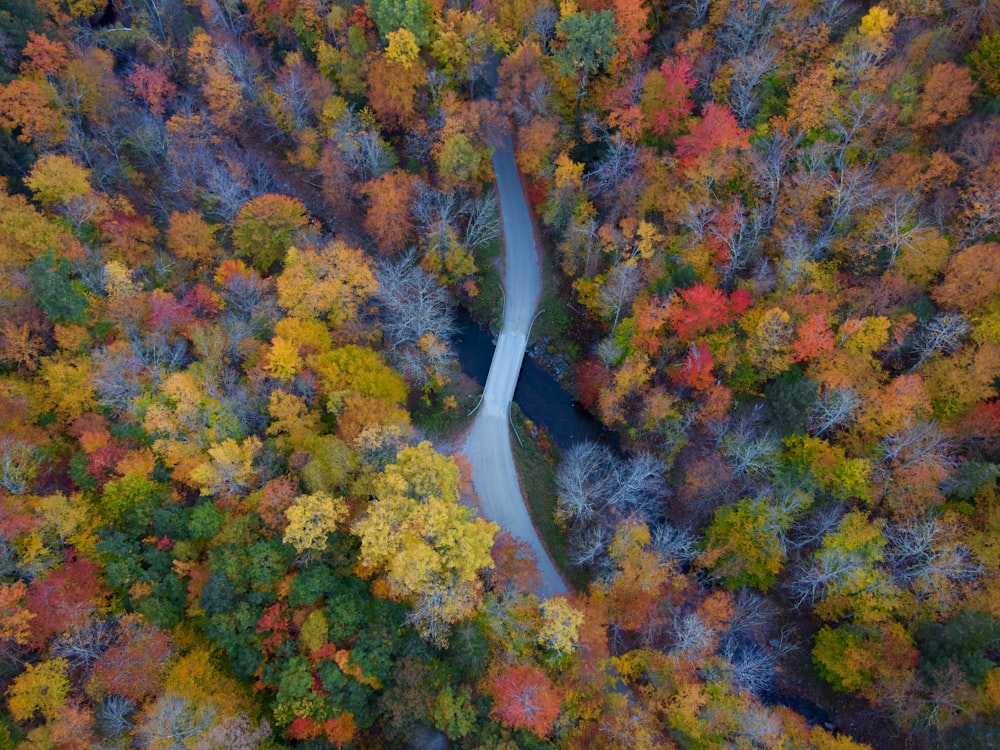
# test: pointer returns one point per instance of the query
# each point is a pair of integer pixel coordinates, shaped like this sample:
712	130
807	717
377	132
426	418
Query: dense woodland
232	235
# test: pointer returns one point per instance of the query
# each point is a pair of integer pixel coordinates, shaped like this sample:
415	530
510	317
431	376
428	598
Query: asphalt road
488	446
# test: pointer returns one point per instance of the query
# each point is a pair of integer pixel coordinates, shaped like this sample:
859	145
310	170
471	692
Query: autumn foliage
699	309
713	141
232	236
525	698
63	599
666	97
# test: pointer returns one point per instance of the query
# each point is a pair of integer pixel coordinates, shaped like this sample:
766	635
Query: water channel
541	398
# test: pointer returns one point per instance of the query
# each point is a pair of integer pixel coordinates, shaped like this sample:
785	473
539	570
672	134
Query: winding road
488	445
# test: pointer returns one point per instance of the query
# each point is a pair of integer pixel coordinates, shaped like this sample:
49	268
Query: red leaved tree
981	429
153	86
515	566
62	600
814	338
712	142
273	499
102	463
666	97
131	667
304	728
700	308
525	698
274	625
592	377
696	371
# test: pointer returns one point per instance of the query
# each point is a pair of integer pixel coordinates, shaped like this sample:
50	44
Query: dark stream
539	395
804	707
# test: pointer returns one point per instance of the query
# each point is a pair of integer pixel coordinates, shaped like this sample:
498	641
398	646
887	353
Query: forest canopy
233	236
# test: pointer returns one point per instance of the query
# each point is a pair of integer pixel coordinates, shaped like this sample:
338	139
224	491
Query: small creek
539	395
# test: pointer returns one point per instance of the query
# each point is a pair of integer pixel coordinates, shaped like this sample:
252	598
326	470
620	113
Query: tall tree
393	87
666	97
418	321
41	688
388	218
266	227
310	519
426	544
333	283
971	278
57	180
632	22
945	97
28	110
746	542
415	16
525	698
588	45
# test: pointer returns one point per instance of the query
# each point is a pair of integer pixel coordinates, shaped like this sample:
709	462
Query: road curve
488	445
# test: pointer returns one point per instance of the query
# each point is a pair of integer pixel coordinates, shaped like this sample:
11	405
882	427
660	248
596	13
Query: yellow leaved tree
56	179
332	283
425	545
185	419
229	471
310	519
41	687
360	389
15	618
560	625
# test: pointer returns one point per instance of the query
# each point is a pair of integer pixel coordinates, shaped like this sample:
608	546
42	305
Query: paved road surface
488	446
